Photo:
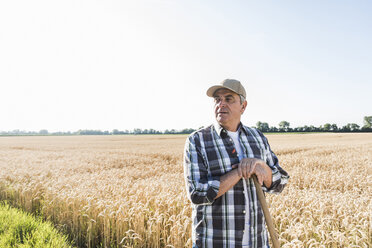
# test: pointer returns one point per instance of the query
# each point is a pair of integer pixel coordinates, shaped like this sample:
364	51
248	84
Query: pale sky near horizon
69	65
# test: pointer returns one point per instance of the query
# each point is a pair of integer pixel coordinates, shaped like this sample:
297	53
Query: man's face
227	108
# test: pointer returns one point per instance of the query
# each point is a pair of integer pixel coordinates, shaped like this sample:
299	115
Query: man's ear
244	106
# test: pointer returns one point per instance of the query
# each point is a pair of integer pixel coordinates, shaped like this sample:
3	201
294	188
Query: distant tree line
284	126
99	132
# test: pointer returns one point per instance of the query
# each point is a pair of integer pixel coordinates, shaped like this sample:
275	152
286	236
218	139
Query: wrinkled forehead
224	92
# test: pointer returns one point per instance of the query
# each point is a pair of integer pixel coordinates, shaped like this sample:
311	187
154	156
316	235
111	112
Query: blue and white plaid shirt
209	154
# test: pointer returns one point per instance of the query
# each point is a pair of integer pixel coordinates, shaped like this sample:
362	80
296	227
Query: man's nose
222	103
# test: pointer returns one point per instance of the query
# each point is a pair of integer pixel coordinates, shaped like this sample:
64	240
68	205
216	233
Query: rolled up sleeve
201	189
279	175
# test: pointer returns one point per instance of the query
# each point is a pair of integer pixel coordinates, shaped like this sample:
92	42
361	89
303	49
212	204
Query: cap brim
214	88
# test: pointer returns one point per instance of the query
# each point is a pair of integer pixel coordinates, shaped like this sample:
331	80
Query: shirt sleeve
201	188
279	175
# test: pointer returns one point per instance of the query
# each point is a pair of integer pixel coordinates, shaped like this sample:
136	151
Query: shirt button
243	211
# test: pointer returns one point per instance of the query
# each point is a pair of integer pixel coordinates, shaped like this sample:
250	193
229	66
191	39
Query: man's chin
221	121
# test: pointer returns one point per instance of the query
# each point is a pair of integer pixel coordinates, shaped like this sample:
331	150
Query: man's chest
220	154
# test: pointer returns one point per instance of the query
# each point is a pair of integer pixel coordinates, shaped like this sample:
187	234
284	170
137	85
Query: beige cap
230	84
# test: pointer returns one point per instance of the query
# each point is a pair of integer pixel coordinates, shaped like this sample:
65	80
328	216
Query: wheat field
128	191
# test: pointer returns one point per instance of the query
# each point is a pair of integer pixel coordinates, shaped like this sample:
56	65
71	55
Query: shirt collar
221	131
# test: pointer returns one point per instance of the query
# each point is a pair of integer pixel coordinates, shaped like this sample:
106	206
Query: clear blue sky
69	65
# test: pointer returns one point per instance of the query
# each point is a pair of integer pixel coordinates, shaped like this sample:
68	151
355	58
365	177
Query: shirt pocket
216	166
256	150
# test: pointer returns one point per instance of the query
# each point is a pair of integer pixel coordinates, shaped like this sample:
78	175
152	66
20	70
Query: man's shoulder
249	129
201	131
253	131
246	128
201	135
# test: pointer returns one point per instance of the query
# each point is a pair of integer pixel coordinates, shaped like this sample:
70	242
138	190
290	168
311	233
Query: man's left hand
249	166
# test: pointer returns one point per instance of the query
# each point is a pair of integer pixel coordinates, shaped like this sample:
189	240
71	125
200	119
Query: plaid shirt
209	154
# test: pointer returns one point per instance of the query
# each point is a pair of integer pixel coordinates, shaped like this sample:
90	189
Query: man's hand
253	166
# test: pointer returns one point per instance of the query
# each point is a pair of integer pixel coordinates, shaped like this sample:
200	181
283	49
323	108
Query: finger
244	170
234	166
260	180
251	169
240	170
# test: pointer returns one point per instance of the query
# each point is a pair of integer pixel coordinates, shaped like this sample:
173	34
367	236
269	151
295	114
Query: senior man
219	161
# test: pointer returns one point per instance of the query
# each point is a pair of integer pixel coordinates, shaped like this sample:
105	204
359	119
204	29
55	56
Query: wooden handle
265	208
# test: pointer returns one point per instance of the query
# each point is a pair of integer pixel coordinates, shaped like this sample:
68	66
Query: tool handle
265	208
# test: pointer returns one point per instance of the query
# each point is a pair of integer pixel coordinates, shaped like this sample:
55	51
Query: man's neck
231	128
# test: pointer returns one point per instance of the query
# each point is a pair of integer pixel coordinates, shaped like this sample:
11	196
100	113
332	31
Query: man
219	162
